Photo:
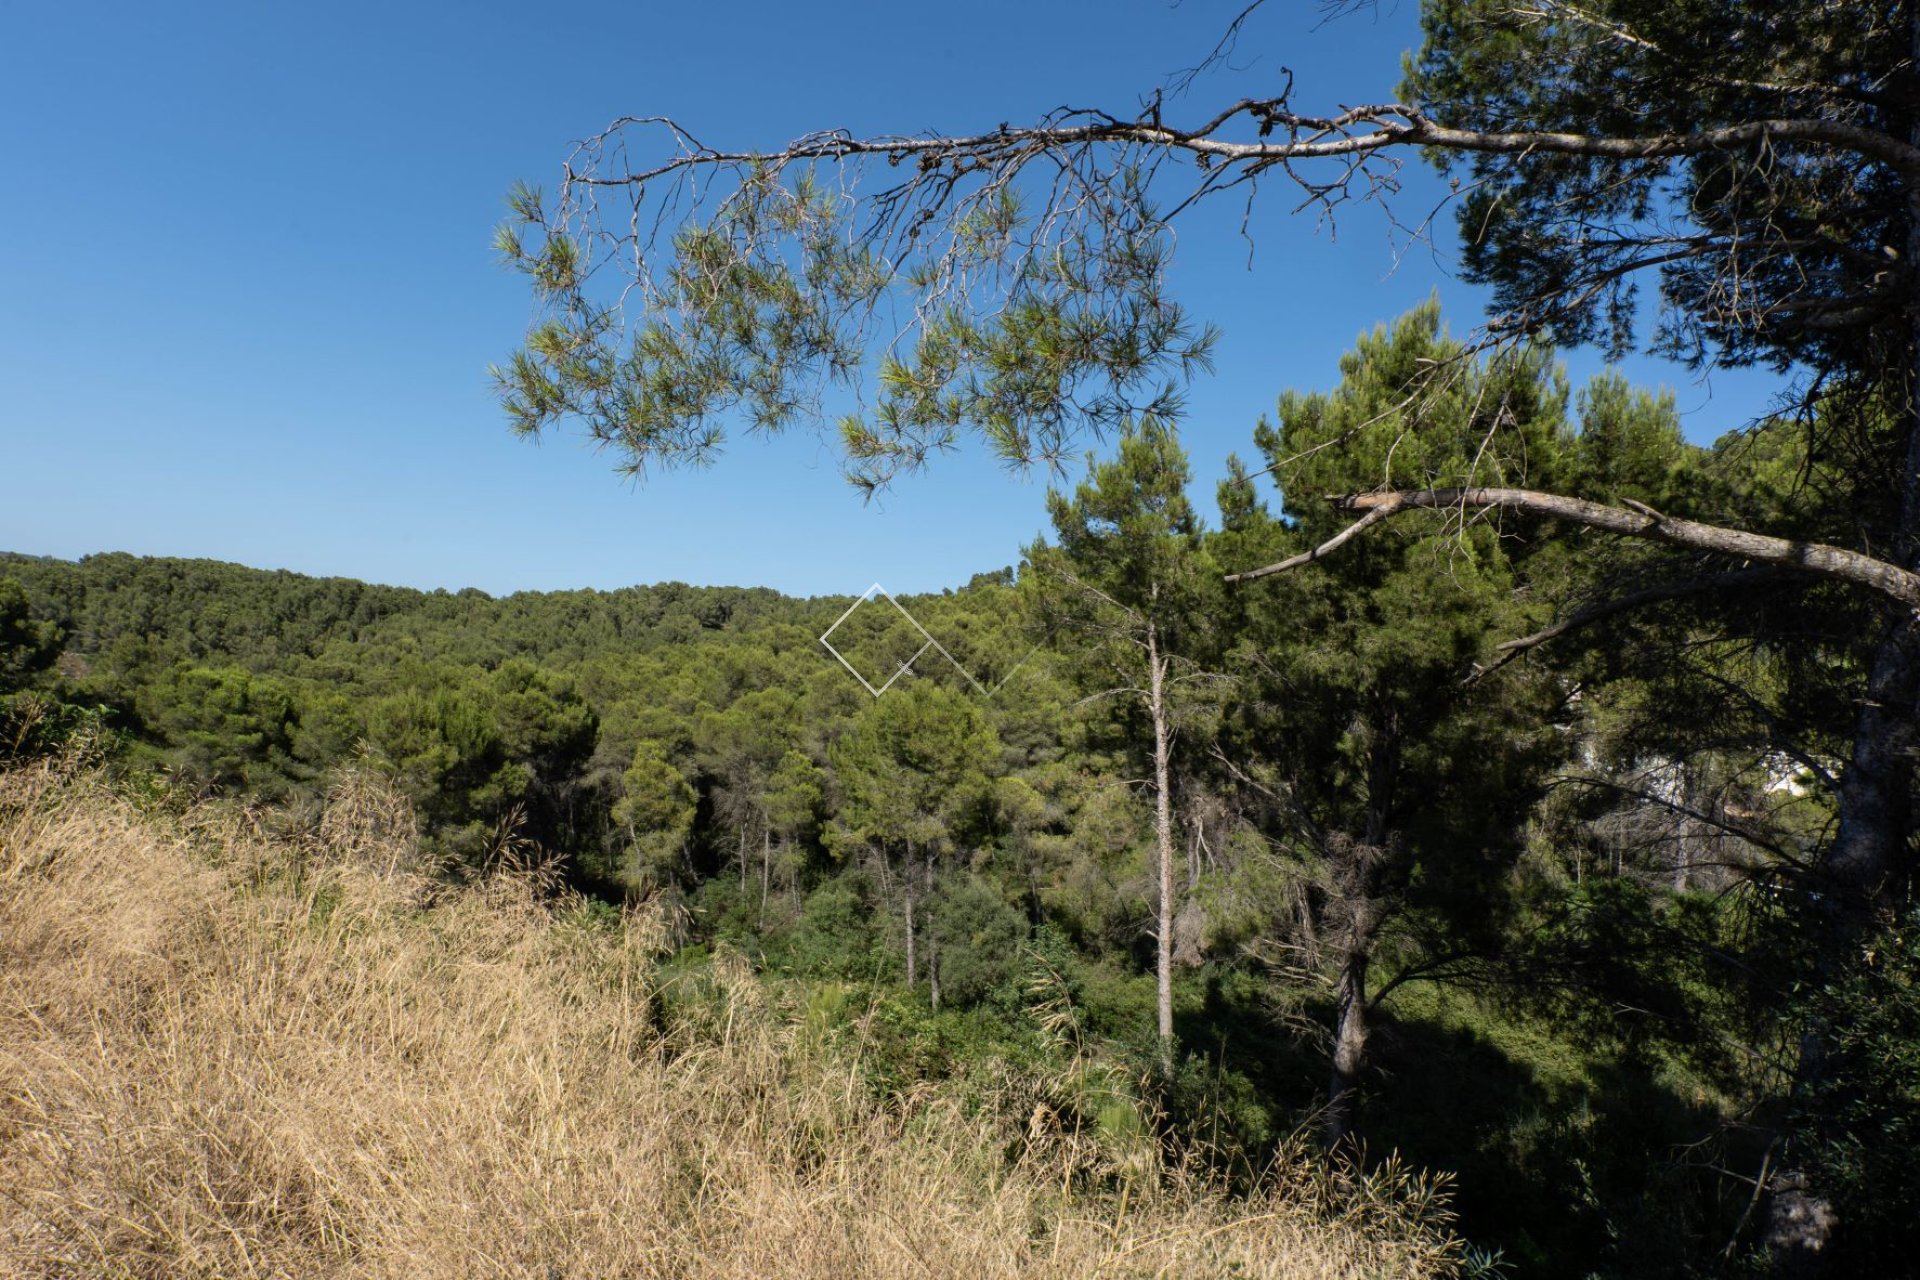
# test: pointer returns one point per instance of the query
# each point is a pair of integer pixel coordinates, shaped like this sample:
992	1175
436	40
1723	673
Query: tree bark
1163	841
906	889
1357	878
766	871
1869	852
933	943
1353	134
1349	1048
1896	581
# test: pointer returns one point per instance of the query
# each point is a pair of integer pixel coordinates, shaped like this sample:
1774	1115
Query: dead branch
1511	649
1357	131
1326	548
1805	557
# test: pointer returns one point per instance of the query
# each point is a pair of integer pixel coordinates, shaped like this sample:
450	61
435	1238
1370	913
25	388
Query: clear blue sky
247	300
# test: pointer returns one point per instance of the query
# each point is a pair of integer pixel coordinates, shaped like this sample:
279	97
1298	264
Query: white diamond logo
876	591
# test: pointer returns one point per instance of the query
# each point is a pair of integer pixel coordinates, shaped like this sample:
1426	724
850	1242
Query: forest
1352	850
1483	829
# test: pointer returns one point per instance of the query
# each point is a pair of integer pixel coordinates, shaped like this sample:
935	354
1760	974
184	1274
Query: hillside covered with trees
1484	831
1367	849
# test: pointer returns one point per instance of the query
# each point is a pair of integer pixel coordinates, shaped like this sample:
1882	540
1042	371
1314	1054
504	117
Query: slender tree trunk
913	975
906	890
1195	841
766	871
933	940
1163	840
1350	997
1358	881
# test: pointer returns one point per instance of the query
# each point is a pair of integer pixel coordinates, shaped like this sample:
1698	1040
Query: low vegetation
236	1045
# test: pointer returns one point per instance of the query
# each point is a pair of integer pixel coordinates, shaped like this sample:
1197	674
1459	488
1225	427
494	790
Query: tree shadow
1587	1163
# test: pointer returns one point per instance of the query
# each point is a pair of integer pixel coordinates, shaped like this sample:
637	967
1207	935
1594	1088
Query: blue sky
247	300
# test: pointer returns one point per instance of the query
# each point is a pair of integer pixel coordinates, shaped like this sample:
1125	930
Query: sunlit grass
230	1053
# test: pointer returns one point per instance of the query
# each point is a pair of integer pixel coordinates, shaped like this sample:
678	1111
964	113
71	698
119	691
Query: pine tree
1129	589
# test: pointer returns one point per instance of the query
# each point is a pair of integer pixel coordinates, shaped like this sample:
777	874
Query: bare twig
1326	548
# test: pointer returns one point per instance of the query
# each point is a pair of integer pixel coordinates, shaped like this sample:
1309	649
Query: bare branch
1723	823
1326	548
1511	649
1805	557
1357	131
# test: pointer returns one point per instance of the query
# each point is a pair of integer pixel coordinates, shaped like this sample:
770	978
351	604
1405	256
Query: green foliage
27	647
795	793
1564	1151
1404	783
835	935
227	727
30	720
1556	235
656	810
979	937
1858	1125
1129	555
753	311
913	771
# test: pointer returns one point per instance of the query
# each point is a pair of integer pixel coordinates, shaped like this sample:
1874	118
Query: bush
839	933
1859	1127
979	939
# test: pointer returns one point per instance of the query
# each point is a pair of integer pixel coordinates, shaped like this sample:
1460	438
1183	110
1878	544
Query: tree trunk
1357	878
933	943
1196	840
1869	853
1163	840
1349	1047
1874	800
1868	860
906	889
766	870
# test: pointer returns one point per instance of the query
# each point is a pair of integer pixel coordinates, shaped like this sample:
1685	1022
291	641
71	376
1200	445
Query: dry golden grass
228	1054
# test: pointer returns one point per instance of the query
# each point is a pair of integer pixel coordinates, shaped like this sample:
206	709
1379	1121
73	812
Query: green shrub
839	933
979	939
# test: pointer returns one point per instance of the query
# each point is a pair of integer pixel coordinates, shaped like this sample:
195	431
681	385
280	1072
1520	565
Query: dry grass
228	1054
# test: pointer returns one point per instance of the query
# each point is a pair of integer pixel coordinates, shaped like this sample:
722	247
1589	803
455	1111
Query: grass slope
225	1052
